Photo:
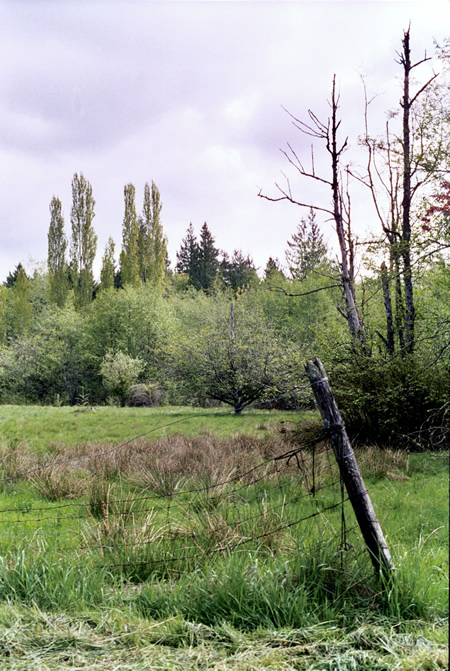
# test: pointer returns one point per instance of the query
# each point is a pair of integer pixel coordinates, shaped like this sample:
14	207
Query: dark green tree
84	241
188	255
208	260
239	272
12	276
56	259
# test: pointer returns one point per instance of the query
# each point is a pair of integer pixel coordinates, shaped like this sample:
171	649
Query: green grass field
184	549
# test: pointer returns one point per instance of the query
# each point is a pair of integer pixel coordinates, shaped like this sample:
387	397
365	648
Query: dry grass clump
164	466
63	481
383	463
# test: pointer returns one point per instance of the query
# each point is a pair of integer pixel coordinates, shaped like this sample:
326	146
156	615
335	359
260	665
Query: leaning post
349	469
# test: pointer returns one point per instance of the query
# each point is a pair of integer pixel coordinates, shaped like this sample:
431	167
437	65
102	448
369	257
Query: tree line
213	330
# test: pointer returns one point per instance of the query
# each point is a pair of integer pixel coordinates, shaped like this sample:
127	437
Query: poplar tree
108	266
157	242
152	241
129	258
84	241
56	260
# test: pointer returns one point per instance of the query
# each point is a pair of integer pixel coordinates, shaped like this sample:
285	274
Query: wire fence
174	504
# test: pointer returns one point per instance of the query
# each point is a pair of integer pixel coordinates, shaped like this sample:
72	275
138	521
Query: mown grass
158	555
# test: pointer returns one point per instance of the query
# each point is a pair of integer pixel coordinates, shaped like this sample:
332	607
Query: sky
193	96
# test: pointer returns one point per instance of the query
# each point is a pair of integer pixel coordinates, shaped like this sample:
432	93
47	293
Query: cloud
188	94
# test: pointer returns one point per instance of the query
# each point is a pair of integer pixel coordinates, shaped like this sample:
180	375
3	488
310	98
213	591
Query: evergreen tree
84	241
208	263
22	305
273	270
56	260
239	272
129	258
307	250
188	256
107	271
12	276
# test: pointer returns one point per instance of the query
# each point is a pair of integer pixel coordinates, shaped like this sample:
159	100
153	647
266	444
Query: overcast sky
191	96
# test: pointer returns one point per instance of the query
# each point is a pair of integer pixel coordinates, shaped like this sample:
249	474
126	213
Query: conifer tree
84	241
307	250
129	258
208	264
56	260
22	305
188	256
239	272
108	266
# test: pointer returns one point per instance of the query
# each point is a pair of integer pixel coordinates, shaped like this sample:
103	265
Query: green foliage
83	245
108	266
199	260
228	352
306	250
21	301
238	273
56	259
119	372
3	300
155	270
129	258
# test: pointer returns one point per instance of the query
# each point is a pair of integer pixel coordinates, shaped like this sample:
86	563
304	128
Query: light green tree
3	303
229	352
119	372
129	258
108	266
152	241
22	304
56	259
84	241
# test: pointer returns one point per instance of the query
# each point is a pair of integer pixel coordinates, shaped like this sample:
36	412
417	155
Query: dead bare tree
395	167
340	211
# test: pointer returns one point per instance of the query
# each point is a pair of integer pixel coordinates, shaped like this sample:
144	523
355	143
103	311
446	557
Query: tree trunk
352	316
410	313
385	283
350	473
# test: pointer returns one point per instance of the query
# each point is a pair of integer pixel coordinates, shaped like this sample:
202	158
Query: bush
396	402
145	395
119	372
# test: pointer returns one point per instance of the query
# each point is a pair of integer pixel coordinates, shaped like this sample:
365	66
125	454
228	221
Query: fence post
349	469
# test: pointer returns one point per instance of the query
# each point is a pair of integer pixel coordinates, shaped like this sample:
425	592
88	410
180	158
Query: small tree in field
236	358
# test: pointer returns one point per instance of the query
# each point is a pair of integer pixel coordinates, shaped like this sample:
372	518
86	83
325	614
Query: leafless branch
305	293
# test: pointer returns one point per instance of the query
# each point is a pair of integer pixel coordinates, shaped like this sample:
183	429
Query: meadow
215	542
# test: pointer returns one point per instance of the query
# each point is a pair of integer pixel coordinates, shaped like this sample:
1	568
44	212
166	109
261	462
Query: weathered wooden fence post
348	467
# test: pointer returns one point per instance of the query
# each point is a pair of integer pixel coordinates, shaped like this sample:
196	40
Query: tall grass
204	528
